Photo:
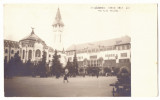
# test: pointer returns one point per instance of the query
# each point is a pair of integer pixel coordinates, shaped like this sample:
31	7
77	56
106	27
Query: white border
63	1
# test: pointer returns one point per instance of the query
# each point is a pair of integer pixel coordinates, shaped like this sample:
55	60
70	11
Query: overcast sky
83	23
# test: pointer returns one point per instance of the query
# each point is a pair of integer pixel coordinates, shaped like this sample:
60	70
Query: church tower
58	30
58	43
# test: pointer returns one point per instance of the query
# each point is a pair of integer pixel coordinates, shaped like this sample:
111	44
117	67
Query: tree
56	65
75	64
42	66
28	67
116	70
17	64
70	67
107	70
10	68
5	68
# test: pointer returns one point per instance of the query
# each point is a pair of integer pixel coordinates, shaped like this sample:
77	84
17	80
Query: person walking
97	74
66	76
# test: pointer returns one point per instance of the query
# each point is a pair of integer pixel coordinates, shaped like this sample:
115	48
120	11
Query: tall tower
58	30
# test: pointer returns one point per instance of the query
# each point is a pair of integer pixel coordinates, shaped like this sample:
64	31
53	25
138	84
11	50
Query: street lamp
84	68
116	57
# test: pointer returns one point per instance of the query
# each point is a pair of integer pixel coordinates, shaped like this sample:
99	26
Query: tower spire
58	30
58	15
58	19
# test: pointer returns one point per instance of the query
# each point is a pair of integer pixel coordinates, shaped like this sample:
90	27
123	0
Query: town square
60	55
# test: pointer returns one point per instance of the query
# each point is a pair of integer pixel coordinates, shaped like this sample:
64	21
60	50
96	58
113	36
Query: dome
33	37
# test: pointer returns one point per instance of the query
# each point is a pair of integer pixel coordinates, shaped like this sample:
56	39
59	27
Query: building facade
107	53
32	47
10	48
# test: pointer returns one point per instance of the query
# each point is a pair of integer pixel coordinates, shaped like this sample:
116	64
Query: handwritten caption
110	8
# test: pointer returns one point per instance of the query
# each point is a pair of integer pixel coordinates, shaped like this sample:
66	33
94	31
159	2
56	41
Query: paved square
52	87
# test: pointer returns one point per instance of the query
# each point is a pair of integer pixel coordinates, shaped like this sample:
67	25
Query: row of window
6	51
121	47
79	58
110	55
92	50
123	54
106	63
107	55
37	54
28	45
124	60
93	57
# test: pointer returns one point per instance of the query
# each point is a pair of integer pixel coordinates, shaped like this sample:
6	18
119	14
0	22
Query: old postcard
80	50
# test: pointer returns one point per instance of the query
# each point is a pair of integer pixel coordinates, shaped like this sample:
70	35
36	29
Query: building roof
58	19
13	44
33	37
103	43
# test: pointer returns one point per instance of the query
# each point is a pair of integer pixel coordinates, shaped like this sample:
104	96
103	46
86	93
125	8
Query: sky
83	23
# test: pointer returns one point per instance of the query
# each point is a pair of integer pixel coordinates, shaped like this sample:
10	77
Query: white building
32	47
106	53
10	48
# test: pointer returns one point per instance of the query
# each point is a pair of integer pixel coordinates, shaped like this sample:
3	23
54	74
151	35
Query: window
49	55
119	47
38	53
94	63
123	47
6	51
30	54
123	54
89	51
23	53
18	52
114	48
109	48
93	57
12	52
128	47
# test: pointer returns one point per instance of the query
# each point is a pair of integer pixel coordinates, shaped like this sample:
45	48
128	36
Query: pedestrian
66	76
97	74
106	74
83	74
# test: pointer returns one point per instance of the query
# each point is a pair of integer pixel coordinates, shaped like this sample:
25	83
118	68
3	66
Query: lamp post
85	68
117	61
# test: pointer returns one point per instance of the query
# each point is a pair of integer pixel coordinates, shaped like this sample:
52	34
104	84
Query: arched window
45	54
23	53
12	52
30	54
38	53
6	51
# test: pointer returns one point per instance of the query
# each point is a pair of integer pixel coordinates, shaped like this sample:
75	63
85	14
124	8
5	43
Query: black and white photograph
69	50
